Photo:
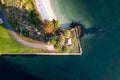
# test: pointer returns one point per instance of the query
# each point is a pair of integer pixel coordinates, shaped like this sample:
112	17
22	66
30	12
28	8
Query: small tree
48	27
60	40
66	33
56	24
52	40
51	26
65	49
57	46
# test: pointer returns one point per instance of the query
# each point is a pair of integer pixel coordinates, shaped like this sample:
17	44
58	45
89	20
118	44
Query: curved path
10	29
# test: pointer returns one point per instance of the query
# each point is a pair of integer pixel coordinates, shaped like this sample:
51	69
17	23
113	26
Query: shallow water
101	52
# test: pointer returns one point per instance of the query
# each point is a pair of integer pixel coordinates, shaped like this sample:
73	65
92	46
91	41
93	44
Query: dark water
101	57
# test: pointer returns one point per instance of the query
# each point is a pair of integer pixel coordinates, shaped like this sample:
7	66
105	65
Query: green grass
10	45
7	43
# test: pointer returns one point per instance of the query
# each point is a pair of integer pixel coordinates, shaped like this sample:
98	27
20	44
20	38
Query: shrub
51	26
66	33
52	40
60	40
56	24
65	49
48	27
57	46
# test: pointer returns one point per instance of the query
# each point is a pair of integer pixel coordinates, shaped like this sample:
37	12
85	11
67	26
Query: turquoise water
101	52
100	13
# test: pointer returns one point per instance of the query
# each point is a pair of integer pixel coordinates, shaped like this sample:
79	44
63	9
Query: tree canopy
52	40
66	33
65	49
57	46
51	26
56	24
60	40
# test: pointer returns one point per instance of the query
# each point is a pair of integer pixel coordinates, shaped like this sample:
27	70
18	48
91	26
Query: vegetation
60	40
33	17
56	24
9	45
65	49
66	33
23	17
51	26
48	27
25	20
57	46
52	40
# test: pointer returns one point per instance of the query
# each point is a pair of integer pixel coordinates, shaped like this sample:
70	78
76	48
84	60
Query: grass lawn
10	45
7	43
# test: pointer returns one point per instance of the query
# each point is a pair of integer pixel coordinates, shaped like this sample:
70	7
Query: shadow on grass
13	72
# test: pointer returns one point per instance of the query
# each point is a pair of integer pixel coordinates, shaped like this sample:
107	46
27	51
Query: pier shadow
13	72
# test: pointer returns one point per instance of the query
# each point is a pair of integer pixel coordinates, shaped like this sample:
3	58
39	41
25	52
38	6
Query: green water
95	13
101	52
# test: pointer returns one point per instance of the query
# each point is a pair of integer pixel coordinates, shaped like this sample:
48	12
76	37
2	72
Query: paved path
11	31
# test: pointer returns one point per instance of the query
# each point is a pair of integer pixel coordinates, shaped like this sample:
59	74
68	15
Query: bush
52	40
56	24
66	33
48	27
65	49
51	26
60	40
57	46
33	17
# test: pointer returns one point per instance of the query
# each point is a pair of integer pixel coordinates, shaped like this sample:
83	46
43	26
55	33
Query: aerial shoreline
46	11
48	14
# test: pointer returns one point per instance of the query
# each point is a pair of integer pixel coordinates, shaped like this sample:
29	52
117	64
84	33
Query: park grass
10	45
7	43
29	17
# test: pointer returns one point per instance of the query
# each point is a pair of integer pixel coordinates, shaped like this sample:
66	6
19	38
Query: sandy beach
45	9
48	12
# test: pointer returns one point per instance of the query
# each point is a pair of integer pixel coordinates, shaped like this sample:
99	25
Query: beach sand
45	9
48	12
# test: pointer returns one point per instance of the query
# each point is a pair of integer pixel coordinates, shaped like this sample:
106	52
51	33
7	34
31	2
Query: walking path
11	31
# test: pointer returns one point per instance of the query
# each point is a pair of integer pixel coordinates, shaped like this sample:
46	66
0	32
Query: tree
66	33
57	46
65	49
60	40
48	27
51	26
33	17
52	40
56	24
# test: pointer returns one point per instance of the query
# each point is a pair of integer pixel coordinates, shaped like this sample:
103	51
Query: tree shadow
13	72
84	30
